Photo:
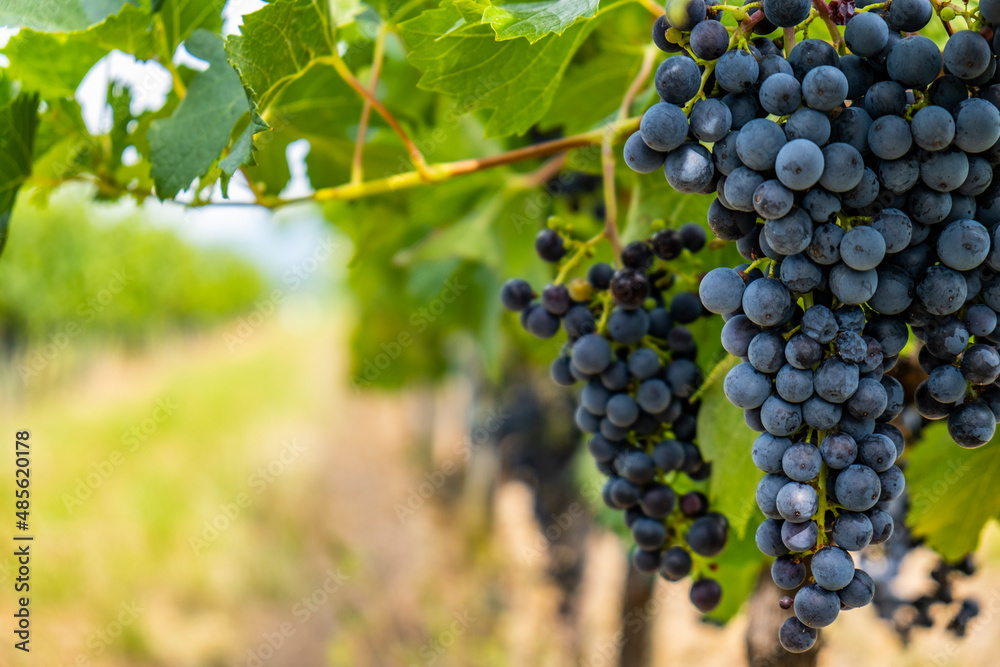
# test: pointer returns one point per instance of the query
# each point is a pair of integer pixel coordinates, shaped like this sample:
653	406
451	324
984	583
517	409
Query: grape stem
719	370
648	57
166	56
789	40
549	170
338	64
602	324
608	156
824	14
821	491
610	200
709	68
753	265
357	167
574	259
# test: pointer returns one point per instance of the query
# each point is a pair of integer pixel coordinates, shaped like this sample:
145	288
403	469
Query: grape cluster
862	184
911	614
866	176
628	343
812	383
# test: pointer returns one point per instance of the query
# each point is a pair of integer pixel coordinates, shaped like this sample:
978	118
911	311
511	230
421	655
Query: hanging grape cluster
628	344
859	186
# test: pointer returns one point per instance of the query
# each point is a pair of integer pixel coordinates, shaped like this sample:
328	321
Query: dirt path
274	517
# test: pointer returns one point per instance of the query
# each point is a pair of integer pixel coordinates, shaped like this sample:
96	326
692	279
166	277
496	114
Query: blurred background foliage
114	275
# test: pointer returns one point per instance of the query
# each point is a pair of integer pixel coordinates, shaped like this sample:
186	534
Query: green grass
130	539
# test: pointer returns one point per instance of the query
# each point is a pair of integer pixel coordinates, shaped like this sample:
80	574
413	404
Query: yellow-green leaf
952	491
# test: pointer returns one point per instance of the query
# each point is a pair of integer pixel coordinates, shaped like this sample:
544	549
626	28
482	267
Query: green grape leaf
471	238
591	91
515	79
120	102
186	145
56	15
739	567
54	64
243	152
182	17
18	125
63	146
725	441
277	43
128	31
951	489
343	12
531	20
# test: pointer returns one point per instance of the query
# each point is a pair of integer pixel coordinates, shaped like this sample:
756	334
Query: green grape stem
582	250
821	492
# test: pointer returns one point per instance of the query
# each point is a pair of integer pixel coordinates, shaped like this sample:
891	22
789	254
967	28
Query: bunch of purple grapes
628	345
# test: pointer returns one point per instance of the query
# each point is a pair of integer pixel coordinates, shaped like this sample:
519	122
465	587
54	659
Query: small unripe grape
580	289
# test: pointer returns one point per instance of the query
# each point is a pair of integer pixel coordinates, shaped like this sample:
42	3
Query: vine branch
447	170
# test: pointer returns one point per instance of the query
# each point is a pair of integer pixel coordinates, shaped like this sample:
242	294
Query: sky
272	240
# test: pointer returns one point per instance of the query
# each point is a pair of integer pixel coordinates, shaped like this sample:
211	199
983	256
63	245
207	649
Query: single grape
866	34
796	502
858	487
675	564
795	636
824	88
832	568
640	157
678	79
852	531
787	572
706	594
816	607
859	592
800	163
768	538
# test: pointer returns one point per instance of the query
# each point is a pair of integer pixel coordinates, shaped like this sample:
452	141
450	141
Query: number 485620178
22	476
